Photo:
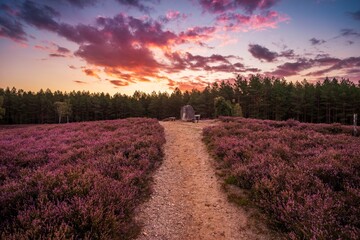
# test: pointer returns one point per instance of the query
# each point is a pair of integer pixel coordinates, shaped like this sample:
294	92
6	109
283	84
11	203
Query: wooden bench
196	118
169	119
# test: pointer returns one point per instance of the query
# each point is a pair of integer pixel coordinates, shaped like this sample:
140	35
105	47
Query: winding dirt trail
187	202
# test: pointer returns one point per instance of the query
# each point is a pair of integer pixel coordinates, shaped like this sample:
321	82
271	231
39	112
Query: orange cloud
119	83
91	73
80	82
186	86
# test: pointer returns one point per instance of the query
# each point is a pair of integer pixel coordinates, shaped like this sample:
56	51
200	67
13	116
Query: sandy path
188	202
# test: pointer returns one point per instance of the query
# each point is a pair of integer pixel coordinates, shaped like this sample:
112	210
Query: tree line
328	101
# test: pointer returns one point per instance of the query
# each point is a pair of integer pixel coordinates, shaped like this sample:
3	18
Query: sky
120	46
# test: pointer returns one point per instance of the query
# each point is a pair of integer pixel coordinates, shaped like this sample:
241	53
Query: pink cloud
125	44
173	15
239	22
268	20
120	42
44	48
109	55
196	34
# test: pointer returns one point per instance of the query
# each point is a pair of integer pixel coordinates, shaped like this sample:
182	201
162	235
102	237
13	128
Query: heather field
77	180
305	177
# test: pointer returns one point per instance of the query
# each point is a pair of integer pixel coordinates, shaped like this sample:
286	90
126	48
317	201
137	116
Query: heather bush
306	177
76	181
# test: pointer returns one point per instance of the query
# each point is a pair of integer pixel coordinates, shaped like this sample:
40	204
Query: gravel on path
187	200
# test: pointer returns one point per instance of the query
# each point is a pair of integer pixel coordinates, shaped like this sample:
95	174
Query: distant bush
76	181
306	177
222	107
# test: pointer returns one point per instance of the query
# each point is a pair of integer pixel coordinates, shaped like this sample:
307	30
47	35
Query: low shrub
306	177
76	181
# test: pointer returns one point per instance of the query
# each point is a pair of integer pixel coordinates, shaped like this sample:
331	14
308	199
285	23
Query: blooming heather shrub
306	177
76	181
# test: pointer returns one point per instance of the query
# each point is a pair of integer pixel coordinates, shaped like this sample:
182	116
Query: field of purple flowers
78	180
305	177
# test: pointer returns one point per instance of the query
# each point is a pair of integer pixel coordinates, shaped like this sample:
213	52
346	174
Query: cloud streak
348	32
81	3
10	27
79	82
355	15
295	68
347	64
56	55
139	4
39	16
53	49
240	22
220	6
62	50
315	41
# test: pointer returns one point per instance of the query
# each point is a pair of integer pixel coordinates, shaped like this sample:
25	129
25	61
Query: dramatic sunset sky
157	45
